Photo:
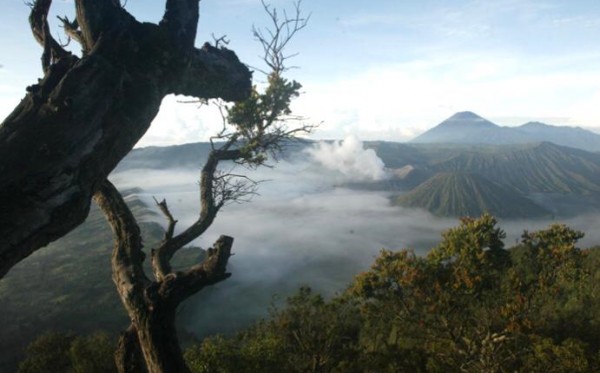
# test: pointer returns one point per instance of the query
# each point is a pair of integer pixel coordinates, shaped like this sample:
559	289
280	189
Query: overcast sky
385	69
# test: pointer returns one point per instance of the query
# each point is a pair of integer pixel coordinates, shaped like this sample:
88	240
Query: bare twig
231	188
274	40
219	40
165	210
72	31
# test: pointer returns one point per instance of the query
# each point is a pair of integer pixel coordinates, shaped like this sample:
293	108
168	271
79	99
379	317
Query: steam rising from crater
349	158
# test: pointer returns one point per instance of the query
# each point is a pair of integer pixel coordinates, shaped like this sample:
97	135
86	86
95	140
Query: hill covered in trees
469	305
536	168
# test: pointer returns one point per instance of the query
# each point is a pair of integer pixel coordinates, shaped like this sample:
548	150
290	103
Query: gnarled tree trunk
152	305
76	124
256	130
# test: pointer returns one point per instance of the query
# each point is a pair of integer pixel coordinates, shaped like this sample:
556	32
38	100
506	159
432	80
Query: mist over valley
322	214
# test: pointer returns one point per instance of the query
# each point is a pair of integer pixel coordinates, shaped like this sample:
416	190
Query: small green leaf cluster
259	122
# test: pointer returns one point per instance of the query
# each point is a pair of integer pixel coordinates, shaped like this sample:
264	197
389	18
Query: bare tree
75	125
253	131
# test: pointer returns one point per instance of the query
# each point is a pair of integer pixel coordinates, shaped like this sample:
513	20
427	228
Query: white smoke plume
349	158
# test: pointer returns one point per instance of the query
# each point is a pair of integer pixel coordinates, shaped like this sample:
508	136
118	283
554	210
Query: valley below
321	216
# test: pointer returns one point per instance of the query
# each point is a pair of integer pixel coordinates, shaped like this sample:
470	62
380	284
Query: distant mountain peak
466	127
535	124
466	115
467	118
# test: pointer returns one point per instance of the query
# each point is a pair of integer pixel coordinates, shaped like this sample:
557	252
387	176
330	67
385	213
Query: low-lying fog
304	228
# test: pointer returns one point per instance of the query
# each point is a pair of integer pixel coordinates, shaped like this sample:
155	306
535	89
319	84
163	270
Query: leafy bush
470	305
64	353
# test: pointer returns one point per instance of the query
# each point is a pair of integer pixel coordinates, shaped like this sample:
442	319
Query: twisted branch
73	32
38	21
164	208
127	257
209	208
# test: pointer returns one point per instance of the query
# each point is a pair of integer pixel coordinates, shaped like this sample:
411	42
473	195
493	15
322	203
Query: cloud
181	120
301	230
396	101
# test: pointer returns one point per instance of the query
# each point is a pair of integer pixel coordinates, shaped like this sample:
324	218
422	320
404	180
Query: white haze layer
301	230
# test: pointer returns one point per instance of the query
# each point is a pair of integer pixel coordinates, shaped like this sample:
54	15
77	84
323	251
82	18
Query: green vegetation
541	168
464	194
64	353
470	305
67	287
523	180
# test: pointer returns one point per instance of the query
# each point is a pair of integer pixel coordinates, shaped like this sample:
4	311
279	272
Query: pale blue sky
385	69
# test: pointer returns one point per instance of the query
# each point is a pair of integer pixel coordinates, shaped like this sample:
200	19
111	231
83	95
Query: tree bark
128	356
158	340
76	124
152	305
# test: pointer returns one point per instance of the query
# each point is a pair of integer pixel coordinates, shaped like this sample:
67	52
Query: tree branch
38	21
98	17
127	257
233	188
162	255
275	40
164	208
212	270
215	72
181	22
259	130
73	32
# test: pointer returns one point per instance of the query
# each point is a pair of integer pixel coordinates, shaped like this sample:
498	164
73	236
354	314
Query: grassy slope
462	194
543	168
550	172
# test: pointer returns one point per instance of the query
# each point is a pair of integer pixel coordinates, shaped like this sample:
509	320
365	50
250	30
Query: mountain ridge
541	169
469	128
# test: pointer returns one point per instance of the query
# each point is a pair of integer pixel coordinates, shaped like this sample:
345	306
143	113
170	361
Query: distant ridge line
467	127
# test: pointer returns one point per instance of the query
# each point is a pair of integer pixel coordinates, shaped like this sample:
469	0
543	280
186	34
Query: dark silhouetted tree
87	112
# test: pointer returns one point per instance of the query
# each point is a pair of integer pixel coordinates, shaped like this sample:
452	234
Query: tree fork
152	305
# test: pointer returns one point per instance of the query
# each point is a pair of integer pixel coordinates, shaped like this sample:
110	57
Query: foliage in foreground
64	353
470	305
